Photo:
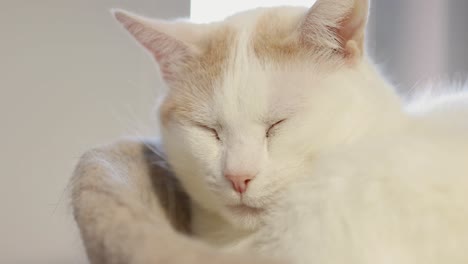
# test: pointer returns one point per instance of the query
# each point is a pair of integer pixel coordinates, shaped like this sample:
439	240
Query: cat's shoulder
439	97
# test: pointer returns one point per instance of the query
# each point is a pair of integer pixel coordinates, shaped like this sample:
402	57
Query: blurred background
70	79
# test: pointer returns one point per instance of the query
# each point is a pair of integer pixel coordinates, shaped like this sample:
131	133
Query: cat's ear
337	24
171	44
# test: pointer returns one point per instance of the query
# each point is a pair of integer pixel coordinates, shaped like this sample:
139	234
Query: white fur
358	179
394	198
352	176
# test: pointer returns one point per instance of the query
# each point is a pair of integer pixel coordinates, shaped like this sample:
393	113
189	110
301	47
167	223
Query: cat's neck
213	229
382	115
376	110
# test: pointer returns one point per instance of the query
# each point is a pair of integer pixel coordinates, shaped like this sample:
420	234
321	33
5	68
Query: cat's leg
123	203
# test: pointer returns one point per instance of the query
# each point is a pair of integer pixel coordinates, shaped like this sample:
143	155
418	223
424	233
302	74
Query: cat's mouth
243	209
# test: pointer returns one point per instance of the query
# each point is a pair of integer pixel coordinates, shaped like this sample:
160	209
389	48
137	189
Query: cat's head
253	97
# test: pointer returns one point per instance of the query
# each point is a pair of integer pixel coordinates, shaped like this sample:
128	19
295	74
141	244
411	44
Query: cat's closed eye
211	130
272	127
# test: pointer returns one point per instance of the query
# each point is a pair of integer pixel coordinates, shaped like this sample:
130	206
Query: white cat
292	145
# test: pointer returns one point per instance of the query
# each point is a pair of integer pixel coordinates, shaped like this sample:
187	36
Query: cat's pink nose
239	181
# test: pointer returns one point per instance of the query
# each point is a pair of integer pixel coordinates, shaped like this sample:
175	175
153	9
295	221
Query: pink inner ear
353	25
333	23
168	51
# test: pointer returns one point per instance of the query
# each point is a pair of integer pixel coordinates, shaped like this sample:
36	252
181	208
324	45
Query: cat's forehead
272	33
242	61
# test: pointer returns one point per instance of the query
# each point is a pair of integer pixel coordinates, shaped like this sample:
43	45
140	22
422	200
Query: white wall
420	40
70	78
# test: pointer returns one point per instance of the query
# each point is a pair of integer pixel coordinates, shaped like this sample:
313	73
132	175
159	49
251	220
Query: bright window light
211	10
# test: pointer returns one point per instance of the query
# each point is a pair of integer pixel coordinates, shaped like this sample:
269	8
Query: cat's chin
242	209
244	216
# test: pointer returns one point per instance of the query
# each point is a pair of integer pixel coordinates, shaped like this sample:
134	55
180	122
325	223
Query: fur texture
340	169
129	209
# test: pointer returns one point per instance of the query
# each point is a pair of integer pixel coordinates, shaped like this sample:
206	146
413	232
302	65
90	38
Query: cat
292	145
130	209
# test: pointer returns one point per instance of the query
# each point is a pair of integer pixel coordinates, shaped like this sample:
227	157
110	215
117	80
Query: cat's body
290	144
396	196
399	198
